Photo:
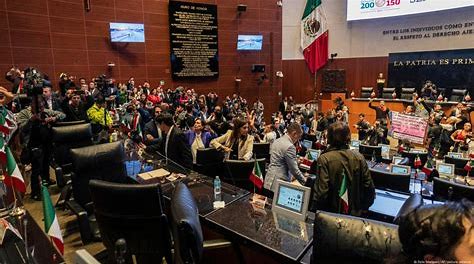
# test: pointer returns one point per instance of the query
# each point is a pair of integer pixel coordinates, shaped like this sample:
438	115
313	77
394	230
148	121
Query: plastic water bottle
217	189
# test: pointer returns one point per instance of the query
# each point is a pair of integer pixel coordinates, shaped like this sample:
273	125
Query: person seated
438	233
52	101
343	184
283	160
237	143
269	134
198	138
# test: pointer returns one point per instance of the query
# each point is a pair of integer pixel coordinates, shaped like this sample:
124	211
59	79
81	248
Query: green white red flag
51	224
428	168
12	173
344	195
256	176
314	35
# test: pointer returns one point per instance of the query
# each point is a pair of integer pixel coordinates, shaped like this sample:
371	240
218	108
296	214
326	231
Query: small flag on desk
343	195
51	224
12	173
256	176
417	162
308	159
469	165
428	168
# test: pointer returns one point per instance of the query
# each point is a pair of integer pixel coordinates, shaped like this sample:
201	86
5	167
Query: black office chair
209	161
371	151
387	93
365	92
414	201
390	181
451	191
412	156
237	172
186	228
65	138
69	123
134	212
459	164
347	239
457	95
100	162
262	150
407	93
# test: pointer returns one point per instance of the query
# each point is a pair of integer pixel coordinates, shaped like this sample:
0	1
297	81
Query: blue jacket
206	137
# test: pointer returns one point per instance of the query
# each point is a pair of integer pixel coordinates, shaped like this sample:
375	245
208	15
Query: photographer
35	129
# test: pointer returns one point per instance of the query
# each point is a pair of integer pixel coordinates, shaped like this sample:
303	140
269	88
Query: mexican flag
51	224
12	173
344	195
308	160
469	166
417	163
428	168
314	35
256	176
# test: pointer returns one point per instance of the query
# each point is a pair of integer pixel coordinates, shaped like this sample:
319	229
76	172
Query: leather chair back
414	201
447	190
237	172
100	162
457	95
69	123
261	150
68	137
209	161
459	164
412	156
347	239
366	91
387	93
407	93
133	212
187	232
389	181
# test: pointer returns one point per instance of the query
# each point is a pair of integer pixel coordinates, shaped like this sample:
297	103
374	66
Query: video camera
33	82
102	83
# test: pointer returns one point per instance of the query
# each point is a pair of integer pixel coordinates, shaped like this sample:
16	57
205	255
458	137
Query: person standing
380	85
283	165
362	127
343	184
237	143
198	138
381	112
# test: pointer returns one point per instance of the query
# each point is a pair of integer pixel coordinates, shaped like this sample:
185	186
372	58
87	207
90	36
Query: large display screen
249	42
367	9
290	198
127	32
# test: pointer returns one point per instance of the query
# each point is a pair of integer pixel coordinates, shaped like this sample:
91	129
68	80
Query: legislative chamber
236	131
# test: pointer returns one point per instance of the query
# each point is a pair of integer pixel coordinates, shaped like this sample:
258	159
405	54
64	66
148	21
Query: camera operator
75	105
36	136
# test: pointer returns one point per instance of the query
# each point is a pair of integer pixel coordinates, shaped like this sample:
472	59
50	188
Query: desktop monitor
446	170
355	144
127	32
307	143
400	169
249	42
385	152
455	155
291	200
396	160
314	154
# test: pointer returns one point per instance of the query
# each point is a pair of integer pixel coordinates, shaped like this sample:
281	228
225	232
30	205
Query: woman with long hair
461	138
237	143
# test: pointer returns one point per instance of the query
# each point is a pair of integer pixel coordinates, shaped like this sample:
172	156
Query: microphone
120	250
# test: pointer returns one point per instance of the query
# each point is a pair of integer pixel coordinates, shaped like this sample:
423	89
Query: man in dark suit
173	145
152	129
52	101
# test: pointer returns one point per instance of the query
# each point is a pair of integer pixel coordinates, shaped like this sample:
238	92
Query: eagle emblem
312	27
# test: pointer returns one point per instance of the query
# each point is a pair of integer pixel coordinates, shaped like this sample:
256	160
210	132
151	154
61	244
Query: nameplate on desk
152	176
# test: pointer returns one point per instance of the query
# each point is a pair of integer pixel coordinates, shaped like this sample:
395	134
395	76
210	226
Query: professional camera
102	83
33	82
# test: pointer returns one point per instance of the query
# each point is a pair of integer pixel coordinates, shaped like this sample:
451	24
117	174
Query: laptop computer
445	170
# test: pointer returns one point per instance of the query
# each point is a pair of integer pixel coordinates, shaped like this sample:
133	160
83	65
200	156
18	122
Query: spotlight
279	74
279	3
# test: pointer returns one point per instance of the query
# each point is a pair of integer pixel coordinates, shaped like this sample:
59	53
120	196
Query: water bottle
217	189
